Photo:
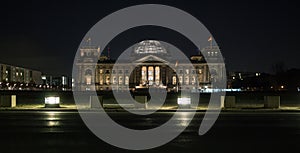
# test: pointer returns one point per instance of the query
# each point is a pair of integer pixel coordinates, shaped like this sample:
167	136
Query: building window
126	80
120	80
114	80
174	80
180	79
107	79
180	71
193	80
113	71
200	71
101	71
200	78
208	53
187	71
120	71
186	80
101	80
126	71
193	71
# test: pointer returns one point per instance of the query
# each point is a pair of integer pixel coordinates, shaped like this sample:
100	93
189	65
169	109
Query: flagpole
89	41
211	41
108	51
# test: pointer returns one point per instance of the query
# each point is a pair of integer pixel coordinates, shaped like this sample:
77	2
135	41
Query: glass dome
150	47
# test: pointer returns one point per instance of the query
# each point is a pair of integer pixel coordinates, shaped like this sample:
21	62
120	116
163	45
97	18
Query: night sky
253	35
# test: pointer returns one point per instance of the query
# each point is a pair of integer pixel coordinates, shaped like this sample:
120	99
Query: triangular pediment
150	58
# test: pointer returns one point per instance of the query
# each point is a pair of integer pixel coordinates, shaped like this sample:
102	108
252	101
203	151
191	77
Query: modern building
56	82
12	76
148	66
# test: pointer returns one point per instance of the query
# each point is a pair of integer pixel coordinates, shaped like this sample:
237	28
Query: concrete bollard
222	101
194	101
8	101
228	101
94	101
155	103
272	101
141	101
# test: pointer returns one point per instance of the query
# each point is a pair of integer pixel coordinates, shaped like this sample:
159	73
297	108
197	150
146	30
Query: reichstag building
147	68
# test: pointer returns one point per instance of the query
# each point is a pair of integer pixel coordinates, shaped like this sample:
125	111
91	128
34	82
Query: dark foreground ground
234	132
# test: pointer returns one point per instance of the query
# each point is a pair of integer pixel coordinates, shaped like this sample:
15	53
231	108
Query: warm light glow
174	80
52	100
184	101
126	80
150	46
88	80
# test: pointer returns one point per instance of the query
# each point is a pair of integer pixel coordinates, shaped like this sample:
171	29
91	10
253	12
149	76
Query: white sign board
51	100
184	101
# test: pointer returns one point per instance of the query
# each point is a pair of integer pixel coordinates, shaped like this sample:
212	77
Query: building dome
150	47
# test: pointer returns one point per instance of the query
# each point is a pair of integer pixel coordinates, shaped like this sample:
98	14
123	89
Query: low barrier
228	102
8	101
96	101
272	102
141	101
269	102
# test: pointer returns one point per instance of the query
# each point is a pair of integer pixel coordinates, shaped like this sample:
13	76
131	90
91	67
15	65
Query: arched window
174	80
88	72
186	80
126	80
120	80
180	79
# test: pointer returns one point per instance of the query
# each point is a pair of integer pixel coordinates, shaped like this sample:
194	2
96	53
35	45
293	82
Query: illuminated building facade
150	69
12	74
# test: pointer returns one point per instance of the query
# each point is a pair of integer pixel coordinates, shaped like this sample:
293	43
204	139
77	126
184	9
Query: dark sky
253	35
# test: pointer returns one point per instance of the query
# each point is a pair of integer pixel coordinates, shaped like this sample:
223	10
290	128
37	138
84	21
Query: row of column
150	75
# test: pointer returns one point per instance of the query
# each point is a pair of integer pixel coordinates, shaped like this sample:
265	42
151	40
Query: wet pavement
47	131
